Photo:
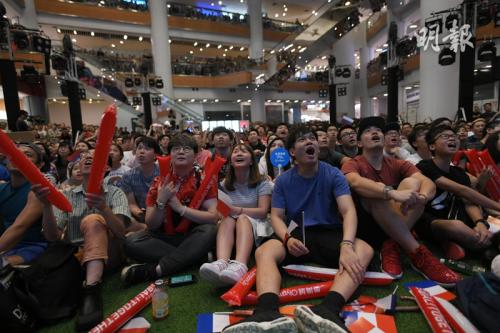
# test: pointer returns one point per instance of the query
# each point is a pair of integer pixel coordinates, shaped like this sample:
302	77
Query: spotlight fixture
483	16
450	19
159	83
21	40
136	101
137	81
446	57
42	45
406	46
59	62
346	73
497	18
82	93
151	82
338	72
487	51
156	101
129	83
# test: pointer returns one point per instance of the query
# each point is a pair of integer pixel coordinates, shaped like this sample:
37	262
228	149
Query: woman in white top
247	223
117	170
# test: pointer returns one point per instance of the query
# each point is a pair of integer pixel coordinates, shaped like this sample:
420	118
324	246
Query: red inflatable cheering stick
164	164
103	145
31	172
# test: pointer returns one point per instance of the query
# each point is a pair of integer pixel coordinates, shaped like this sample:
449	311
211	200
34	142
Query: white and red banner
430	309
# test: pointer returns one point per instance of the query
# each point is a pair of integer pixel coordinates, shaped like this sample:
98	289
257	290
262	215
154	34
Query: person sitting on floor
247	223
170	245
454	215
21	238
391	195
97	225
320	193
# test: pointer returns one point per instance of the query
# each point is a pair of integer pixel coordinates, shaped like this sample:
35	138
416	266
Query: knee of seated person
92	222
410	183
364	249
242	219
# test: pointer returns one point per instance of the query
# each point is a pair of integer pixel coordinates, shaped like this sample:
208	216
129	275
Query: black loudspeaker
159	83
151	82
346	73
137	81
21	40
483	16
487	51
446	57
129	83
338	71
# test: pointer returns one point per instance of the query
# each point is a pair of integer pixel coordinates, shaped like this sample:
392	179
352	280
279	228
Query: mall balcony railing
118	90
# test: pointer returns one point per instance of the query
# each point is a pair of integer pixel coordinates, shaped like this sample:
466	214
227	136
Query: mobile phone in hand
182	280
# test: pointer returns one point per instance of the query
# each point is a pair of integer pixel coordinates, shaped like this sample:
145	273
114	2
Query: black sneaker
318	319
138	273
90	311
264	321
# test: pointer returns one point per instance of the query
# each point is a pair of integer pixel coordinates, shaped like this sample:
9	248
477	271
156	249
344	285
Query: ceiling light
408	88
192	100
347	3
220	3
242	1
374	98
204	100
113	45
242	48
73	40
276	15
231	47
223	54
74	32
296	101
386	94
140	38
121	42
207	45
179	100
323	57
58	30
212	4
249	101
385	45
191	52
216	100
219	46
379	49
238	101
284	14
170	41
195	43
125	37
413	26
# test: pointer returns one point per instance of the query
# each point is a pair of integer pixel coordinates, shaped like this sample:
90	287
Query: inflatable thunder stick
430	309
211	173
120	317
103	145
455	318
31	172
235	295
164	164
327	274
295	293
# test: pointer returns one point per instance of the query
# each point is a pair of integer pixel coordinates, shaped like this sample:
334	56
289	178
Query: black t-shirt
445	205
330	156
21	125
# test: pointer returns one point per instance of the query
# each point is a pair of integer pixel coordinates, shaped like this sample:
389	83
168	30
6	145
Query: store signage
458	37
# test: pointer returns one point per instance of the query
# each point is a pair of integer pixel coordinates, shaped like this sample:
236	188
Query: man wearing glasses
453	216
165	248
348	141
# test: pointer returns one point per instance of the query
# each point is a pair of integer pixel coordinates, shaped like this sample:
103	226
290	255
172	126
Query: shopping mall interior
224	63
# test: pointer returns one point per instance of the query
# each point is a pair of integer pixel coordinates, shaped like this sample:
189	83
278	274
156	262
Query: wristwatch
387	189
483	221
160	205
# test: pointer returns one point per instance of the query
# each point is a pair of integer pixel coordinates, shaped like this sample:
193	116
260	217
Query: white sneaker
210	271
233	273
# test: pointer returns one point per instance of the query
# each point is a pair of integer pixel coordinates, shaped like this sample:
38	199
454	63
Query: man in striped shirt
97	225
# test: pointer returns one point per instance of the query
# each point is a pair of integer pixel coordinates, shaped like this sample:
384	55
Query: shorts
323	244
262	229
423	226
368	229
29	251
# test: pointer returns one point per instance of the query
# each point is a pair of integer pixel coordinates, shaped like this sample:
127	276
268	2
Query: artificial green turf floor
188	301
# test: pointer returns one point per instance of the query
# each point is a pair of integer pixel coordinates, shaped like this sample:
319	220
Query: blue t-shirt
315	196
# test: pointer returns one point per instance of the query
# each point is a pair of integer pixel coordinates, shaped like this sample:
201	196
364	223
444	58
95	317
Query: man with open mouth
391	195
313	194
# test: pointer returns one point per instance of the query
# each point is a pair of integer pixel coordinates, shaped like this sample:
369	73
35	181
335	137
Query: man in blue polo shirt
314	193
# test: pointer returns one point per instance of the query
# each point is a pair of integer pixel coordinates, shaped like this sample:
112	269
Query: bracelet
386	191
160	205
346	242
286	239
184	208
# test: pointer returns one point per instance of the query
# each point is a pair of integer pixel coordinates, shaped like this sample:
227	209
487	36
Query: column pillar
438	84
297	112
343	50
161	47
29	18
257	108
256	36
364	58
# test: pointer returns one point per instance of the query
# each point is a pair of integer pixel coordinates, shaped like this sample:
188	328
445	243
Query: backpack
48	290
479	300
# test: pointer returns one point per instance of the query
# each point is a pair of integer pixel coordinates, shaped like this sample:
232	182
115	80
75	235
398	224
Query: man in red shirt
170	244
390	197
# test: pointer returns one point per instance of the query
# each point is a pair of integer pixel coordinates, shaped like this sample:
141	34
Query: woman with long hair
63	152
116	168
247	224
266	168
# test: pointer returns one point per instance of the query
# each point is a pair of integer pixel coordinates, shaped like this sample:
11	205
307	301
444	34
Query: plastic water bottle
463	267
160	300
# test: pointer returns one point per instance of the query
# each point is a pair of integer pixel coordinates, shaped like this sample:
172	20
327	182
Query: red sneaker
424	262
453	251
390	260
